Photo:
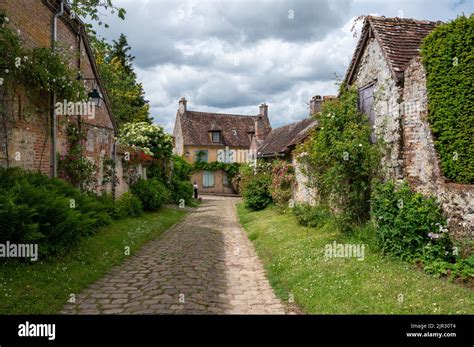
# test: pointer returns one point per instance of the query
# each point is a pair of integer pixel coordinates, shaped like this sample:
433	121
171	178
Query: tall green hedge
448	56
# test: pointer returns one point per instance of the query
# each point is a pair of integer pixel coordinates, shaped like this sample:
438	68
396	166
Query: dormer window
216	136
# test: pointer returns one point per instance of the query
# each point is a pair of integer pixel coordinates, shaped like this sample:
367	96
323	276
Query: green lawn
294	258
44	287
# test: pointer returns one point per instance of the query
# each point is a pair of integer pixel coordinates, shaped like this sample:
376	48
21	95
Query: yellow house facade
216	137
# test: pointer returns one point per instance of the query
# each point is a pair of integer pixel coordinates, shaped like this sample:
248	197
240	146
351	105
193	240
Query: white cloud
232	55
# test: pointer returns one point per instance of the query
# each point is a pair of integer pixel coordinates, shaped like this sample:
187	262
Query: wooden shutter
366	103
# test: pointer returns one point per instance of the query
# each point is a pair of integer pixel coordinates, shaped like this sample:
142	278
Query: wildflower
360	144
433	236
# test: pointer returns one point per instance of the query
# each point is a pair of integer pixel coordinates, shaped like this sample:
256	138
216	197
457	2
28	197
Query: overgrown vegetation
340	158
449	62
152	193
50	212
182	188
42	70
283	176
255	181
73	166
342	165
412	227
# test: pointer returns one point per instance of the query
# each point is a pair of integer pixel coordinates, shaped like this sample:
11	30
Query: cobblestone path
203	265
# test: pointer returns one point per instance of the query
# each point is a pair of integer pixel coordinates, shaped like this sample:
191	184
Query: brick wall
28	130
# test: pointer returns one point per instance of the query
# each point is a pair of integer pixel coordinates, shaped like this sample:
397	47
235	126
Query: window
201	156
208	179
366	101
225	180
216	136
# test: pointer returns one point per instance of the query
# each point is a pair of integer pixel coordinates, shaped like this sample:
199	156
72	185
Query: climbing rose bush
283	176
149	138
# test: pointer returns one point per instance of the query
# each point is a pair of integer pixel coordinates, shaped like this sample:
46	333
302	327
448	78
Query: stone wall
302	193
373	69
127	173
421	162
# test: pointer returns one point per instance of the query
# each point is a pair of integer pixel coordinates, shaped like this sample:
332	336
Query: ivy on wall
448	56
39	69
231	169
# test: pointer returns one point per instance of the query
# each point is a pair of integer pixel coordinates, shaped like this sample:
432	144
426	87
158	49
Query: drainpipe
54	131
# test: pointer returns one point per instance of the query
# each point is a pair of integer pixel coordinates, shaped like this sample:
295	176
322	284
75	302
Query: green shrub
409	226
462	268
181	190
311	216
50	212
256	192
181	186
128	205
36	214
449	62
152	193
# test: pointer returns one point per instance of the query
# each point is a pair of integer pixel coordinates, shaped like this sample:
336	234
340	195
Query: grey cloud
231	55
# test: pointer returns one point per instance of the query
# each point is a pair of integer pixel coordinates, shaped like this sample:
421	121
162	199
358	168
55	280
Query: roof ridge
401	19
294	123
221	114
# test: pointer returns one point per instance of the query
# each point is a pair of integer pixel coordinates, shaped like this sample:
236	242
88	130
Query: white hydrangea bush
149	138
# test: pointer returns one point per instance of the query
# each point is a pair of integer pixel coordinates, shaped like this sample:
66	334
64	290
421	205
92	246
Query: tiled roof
280	140
399	38
234	128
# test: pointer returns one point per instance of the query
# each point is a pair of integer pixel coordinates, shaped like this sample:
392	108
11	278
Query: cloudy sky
232	55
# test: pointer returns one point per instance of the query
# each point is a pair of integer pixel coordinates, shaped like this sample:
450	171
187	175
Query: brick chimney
260	131
262	125
315	104
264	111
182	105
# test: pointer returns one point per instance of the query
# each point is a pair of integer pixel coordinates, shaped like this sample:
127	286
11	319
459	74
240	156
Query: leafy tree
150	138
92	9
125	93
121	51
